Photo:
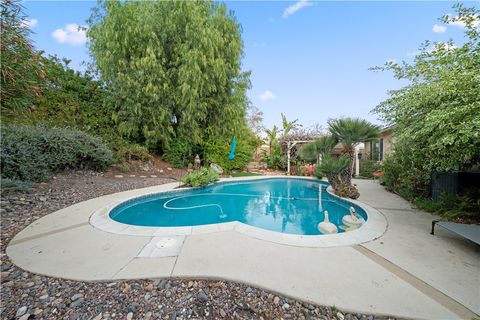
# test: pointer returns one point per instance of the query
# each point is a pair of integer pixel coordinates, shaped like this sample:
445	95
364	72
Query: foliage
465	207
404	176
179	153
350	132
289	126
255	119
438	113
244	174
301	171
21	72
35	153
174	67
70	98
318	173
216	150
332	167
319	147
203	177
275	159
128	152
368	167
9	185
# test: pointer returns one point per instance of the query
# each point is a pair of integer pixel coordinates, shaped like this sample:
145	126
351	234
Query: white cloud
30	22
461	24
439	29
295	7
70	34
267	95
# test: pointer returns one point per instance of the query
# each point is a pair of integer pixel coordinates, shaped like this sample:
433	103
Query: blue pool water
285	205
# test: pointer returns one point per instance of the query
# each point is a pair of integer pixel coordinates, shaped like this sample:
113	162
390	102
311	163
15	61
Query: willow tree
175	69
21	72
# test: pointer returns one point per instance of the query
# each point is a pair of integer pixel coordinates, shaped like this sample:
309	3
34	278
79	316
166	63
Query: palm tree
289	125
321	147
272	137
350	132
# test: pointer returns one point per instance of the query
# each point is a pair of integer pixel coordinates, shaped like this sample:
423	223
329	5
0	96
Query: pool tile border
374	227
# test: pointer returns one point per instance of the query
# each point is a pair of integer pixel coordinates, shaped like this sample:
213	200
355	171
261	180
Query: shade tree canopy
175	69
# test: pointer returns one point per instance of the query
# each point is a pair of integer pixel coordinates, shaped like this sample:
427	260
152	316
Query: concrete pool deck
405	273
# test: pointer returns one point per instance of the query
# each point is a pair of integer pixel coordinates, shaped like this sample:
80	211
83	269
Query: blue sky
308	59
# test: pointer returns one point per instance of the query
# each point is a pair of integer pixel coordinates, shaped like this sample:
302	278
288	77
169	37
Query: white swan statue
351	219
326	227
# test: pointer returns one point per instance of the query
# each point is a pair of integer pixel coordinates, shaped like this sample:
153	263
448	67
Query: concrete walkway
405	273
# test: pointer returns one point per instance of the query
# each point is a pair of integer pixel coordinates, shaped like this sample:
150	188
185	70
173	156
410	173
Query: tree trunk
346	175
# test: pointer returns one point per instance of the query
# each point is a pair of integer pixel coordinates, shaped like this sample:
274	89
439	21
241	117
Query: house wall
385	143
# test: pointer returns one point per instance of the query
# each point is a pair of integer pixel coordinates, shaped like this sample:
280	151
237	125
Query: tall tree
21	73
289	126
175	68
255	119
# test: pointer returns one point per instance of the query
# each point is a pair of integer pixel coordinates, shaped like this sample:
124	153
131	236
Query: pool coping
372	229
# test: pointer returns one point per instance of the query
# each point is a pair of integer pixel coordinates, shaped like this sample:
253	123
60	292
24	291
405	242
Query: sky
309	59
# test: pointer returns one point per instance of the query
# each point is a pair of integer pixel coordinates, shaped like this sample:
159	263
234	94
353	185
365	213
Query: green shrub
203	177
301	171
9	185
217	151
318	173
452	207
127	152
179	154
275	160
368	167
35	153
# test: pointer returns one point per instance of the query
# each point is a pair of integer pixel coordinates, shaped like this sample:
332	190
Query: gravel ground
29	296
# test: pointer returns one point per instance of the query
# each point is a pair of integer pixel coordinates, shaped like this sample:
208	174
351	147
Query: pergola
290	145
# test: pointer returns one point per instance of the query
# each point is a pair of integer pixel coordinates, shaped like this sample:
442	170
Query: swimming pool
285	205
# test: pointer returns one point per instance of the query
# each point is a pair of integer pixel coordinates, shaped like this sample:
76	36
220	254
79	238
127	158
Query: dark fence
452	182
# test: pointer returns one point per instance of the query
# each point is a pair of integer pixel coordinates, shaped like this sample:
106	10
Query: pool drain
165	243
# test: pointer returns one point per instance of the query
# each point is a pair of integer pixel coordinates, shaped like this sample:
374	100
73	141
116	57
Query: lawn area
244	174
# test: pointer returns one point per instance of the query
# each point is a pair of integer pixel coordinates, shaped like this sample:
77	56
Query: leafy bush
275	160
203	177
318	173
453	207
9	185
217	151
179	154
35	153
403	173
301	171
368	167
133	152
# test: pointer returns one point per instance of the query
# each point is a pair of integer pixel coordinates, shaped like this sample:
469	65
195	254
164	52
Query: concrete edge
375	226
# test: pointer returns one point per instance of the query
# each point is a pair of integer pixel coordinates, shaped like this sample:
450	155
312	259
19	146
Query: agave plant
350	132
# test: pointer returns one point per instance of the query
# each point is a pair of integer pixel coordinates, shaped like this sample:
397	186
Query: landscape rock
21	311
32	296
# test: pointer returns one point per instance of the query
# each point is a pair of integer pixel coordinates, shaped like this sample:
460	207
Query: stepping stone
118	176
